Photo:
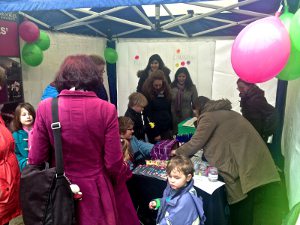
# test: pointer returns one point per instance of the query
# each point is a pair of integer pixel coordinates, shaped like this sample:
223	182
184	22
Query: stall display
162	149
153	168
187	127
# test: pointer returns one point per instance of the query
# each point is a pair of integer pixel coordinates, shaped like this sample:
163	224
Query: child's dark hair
182	164
16	121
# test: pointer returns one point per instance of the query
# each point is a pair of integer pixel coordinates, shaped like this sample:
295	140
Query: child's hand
152	205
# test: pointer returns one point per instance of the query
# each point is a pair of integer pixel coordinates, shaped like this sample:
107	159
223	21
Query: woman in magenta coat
90	142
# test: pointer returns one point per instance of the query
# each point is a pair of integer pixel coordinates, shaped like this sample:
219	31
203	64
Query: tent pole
157	17
194	18
87	25
240	11
137	30
74	22
112	76
173	17
35	20
222	27
143	16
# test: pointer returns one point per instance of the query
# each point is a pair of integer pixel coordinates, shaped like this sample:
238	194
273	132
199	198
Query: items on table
159	163
162	149
187	126
183	138
154	171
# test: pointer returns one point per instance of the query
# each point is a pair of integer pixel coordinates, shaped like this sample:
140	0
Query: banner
9	43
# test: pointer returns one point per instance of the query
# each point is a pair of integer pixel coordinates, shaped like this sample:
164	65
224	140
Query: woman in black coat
255	108
158	111
154	63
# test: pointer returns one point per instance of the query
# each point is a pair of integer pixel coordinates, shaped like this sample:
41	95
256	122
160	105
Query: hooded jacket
256	109
49	92
232	144
21	147
184	208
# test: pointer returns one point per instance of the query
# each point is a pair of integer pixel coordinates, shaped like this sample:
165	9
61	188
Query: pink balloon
29	31
261	50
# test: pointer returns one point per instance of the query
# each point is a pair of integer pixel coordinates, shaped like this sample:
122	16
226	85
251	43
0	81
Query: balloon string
277	14
286	6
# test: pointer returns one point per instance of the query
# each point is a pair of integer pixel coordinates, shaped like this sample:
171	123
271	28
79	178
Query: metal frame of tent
219	18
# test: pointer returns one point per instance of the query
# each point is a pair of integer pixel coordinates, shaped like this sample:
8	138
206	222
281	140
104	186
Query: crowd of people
114	145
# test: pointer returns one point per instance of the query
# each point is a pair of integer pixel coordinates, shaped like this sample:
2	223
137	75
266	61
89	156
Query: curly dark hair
16	121
78	71
188	82
148	89
158	59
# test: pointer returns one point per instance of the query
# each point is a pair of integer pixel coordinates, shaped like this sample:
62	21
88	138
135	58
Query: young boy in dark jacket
180	204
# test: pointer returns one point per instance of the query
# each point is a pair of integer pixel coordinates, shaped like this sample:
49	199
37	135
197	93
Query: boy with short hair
137	103
180	203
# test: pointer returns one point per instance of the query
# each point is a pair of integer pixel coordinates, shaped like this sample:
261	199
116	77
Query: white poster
196	55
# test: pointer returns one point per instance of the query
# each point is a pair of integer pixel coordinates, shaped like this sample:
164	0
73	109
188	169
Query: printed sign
9	43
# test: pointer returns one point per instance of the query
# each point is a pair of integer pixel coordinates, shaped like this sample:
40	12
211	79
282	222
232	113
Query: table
143	189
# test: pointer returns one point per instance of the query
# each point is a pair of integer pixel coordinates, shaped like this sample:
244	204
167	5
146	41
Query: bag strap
56	128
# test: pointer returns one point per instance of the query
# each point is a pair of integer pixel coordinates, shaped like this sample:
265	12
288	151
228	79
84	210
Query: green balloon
44	41
32	54
295	30
286	19
291	70
111	56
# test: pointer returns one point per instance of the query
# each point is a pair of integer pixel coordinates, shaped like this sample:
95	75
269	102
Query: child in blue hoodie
180	204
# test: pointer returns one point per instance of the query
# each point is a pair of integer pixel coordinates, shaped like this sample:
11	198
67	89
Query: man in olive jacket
232	144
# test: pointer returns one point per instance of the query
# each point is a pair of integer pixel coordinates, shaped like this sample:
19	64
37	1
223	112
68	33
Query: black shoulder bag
46	196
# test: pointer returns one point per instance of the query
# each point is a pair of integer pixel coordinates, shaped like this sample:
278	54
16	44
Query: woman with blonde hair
135	151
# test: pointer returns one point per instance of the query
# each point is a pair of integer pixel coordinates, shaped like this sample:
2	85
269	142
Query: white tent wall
291	142
209	66
173	52
35	79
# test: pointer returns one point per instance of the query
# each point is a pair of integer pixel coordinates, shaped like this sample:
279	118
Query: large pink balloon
261	50
29	31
